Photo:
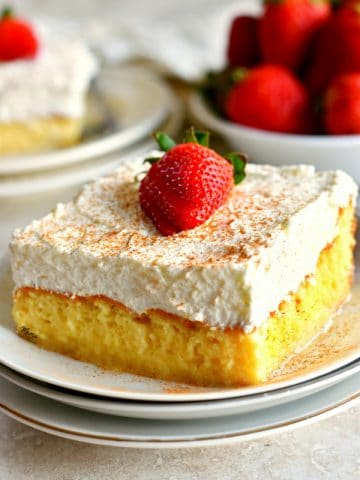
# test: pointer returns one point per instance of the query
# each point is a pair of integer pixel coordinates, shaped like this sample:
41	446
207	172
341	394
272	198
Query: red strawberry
269	97
287	28
17	39
348	31
337	48
243	47
183	188
342	105
322	65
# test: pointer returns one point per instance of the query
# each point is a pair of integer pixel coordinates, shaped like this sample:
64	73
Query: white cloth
185	43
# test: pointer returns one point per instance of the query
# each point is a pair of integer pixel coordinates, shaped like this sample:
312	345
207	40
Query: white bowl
325	152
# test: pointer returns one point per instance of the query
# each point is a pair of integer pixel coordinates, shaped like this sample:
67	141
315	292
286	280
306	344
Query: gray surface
327	450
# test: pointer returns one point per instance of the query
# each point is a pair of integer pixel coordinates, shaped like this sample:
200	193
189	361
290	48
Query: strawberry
337	47
287	29
342	105
322	65
269	97
17	39
243	47
348	31
185	186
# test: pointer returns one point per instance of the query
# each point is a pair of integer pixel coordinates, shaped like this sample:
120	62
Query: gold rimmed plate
182	410
73	423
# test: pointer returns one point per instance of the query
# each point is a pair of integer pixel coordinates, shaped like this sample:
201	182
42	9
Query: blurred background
158	49
159	28
109	9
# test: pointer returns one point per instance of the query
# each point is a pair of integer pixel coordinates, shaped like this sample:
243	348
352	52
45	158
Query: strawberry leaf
238	161
6	12
336	3
215	88
273	2
137	178
152	160
190	136
239	74
197	136
203	138
164	141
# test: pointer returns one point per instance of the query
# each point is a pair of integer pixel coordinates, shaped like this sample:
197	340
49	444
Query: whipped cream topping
231	271
54	83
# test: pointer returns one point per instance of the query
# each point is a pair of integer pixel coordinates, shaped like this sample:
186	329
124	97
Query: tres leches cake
129	282
44	78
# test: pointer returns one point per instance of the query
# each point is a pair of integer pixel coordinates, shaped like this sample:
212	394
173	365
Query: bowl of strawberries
290	92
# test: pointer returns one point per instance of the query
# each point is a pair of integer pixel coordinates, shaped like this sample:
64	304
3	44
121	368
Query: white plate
39	182
339	346
138	102
68	422
182	410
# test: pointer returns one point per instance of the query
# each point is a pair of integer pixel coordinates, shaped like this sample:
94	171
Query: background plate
52	417
138	102
51	180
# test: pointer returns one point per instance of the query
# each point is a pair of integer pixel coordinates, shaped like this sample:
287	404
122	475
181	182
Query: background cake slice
44	78
225	303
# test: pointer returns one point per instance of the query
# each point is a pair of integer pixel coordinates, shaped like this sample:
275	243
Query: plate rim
86	402
110	440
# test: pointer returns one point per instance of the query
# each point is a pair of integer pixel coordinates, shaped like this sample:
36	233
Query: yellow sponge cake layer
101	331
39	135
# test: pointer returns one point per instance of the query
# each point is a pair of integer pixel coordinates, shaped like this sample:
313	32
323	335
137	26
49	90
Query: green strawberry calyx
200	137
238	161
5	13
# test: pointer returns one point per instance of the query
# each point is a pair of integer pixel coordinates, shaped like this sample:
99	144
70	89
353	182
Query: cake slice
44	78
221	304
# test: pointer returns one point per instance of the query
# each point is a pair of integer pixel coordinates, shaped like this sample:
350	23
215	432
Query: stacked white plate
76	400
125	107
